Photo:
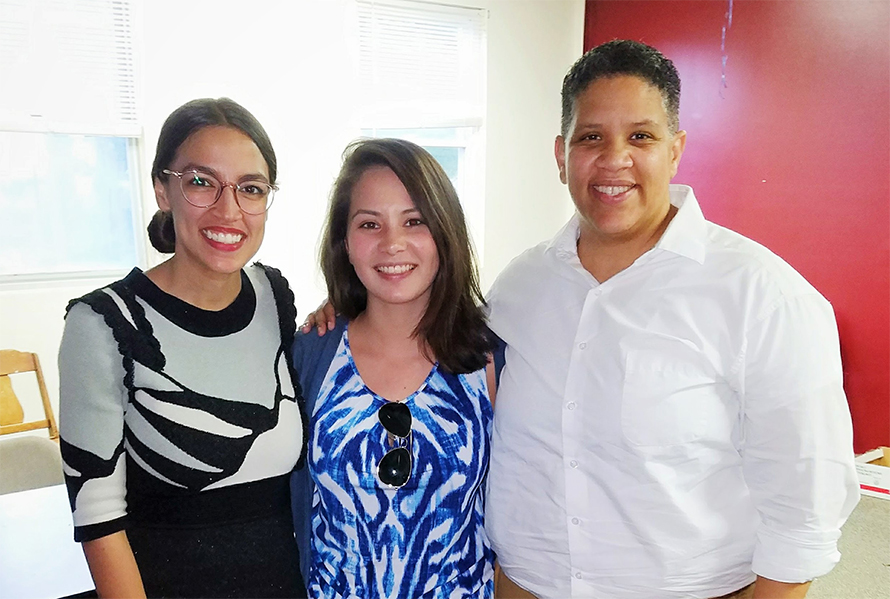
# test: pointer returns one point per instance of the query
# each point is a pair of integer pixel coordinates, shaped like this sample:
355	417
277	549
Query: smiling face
389	245
618	159
218	240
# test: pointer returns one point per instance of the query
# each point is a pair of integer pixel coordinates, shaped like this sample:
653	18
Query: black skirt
257	558
235	541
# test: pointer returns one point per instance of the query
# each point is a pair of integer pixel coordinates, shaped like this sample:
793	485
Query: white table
38	556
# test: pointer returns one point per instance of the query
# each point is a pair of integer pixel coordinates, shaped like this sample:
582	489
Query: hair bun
161	233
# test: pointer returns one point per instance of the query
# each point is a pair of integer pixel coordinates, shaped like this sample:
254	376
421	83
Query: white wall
531	45
198	49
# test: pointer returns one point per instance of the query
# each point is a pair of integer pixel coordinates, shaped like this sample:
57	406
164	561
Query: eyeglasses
203	190
394	468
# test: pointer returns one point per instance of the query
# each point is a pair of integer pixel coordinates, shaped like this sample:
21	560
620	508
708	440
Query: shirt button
575	521
578	575
573	463
582	345
571	405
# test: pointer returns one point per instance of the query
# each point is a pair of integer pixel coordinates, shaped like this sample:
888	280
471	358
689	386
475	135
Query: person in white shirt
671	420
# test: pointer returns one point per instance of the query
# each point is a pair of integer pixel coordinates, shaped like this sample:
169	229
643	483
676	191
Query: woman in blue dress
399	392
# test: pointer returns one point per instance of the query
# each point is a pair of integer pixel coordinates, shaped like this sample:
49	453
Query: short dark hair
622	57
182	123
454	322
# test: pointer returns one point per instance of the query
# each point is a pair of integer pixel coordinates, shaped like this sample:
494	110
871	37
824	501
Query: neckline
373	393
205	323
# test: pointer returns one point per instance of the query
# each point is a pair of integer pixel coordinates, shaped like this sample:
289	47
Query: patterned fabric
424	540
181	426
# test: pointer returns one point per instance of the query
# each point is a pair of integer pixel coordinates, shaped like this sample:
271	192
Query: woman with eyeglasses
398	392
179	421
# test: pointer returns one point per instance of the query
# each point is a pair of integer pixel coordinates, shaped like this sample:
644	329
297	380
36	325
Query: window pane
449	158
67	203
446	144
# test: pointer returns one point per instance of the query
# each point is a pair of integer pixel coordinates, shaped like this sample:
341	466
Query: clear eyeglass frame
247	201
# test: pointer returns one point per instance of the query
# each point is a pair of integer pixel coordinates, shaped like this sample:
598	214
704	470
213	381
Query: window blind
68	66
421	64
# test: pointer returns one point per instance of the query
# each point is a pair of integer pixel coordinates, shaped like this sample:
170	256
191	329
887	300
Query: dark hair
454	322
622	57
183	122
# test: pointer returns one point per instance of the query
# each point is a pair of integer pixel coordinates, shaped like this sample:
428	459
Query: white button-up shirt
672	431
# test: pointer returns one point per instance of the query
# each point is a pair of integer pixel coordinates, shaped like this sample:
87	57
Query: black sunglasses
394	468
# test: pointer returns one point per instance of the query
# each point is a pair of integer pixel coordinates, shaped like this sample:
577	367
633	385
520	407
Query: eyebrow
376	213
643	123
191	166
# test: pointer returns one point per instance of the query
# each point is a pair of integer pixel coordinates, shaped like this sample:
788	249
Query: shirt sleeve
798	439
92	400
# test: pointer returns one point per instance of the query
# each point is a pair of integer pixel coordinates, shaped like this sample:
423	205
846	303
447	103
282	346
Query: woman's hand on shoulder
324	318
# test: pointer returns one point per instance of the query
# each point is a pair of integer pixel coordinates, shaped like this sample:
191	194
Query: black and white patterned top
174	416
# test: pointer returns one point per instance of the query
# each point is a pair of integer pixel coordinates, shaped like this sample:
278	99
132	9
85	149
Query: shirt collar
686	234
566	241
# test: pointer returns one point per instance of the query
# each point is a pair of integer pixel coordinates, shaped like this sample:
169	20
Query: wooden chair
11	414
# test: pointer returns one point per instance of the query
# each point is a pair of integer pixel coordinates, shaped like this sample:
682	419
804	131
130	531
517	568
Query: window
448	145
422	78
69	185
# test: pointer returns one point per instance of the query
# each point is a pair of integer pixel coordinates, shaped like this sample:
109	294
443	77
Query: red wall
794	152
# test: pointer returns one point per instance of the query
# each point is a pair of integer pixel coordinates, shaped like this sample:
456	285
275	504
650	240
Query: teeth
222	237
396	269
612	190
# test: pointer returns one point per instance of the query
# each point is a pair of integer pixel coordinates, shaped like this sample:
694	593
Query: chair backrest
11	413
29	462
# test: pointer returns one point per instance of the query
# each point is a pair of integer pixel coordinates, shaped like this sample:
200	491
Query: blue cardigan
312	357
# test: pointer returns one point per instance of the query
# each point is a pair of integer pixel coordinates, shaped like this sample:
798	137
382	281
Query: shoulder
312	356
114	312
285	302
83	323
311	345
755	267
526	264
522	274
99	309
101	300
541	278
268	276
551	259
270	273
88	346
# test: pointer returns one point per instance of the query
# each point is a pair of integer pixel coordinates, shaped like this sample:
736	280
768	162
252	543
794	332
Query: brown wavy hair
454	324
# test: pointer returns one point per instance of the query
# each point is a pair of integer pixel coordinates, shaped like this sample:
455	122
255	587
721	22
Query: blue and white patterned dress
424	540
